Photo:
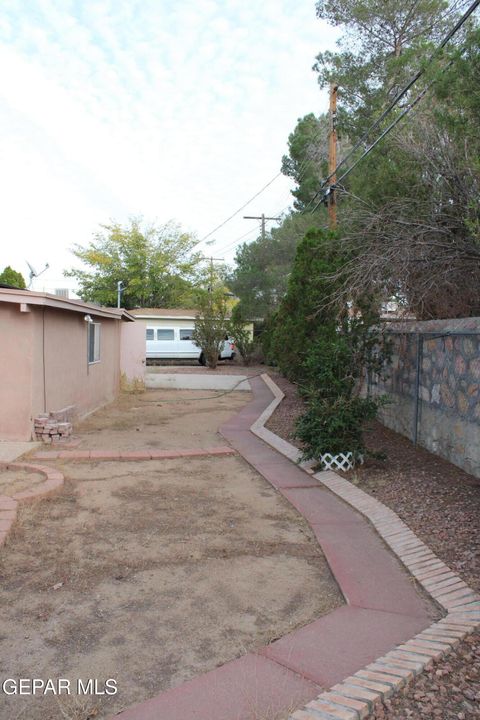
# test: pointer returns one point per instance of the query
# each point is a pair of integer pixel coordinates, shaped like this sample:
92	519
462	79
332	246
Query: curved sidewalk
382	611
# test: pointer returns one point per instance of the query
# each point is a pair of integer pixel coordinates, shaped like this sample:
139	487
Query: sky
169	110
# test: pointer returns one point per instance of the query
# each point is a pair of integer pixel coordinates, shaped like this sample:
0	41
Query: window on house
150	334
93	342
164	334
186	334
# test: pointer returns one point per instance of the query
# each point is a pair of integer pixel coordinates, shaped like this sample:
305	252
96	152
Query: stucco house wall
16	354
69	379
132	356
44	359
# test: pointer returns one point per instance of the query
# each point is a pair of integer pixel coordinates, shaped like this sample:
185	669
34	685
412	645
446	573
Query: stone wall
448	388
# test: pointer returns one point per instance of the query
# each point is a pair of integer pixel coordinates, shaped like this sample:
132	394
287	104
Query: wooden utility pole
332	158
212	260
262	218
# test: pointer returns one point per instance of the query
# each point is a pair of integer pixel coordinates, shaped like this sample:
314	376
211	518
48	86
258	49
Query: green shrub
335	426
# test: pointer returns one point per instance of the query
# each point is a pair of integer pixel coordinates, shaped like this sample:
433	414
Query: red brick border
132	454
354	697
9	503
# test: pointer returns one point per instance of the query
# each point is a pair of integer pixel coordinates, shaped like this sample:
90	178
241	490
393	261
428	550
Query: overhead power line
240	209
302	170
223	248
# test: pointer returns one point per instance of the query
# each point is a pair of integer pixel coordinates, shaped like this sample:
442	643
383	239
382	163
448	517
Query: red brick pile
49	430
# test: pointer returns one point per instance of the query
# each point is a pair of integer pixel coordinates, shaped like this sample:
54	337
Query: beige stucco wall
132	356
45	366
16	362
69	378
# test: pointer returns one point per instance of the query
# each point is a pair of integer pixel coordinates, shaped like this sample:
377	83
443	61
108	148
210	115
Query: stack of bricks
50	430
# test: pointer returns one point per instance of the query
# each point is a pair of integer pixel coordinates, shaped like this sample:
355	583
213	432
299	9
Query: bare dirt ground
13	481
151	572
161	420
441	504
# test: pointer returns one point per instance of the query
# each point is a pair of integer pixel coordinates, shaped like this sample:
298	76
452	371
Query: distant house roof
10	287
165	313
178	313
27	297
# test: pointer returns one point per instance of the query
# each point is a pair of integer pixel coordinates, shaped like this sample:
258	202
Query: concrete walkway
10	450
382	607
199	381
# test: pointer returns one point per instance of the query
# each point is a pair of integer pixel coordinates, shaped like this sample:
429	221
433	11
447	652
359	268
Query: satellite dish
34	273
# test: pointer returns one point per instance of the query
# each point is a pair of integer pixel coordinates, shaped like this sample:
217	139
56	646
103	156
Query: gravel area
441	504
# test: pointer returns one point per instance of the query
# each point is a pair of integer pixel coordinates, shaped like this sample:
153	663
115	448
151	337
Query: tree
383	41
326	350
260	276
412	224
155	264
12	277
307	158
409	220
211	324
298	319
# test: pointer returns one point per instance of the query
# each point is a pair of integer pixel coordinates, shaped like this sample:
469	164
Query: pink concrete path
382	608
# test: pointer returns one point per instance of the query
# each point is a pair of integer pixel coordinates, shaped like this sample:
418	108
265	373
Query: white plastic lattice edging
342	461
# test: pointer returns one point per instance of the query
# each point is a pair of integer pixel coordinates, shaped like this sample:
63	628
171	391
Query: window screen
163	334
186	334
150	334
93	342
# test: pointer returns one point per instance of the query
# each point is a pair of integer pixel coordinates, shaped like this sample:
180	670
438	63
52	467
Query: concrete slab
319	506
342	642
274	467
10	450
186	381
250	687
368	574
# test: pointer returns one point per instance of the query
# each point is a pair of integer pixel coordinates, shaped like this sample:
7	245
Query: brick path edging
9	503
355	697
132	454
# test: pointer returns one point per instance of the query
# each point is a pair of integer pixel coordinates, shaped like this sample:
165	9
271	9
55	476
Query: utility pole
263	219
332	158
212	260
120	289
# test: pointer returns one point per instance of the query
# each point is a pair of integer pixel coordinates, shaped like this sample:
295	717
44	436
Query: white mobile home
168	334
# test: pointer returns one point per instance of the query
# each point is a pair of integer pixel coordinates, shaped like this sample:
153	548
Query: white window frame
183	330
152	331
95	329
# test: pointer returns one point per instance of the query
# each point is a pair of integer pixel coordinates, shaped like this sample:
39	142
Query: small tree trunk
212	359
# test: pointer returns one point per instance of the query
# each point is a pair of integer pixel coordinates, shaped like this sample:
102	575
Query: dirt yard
151	572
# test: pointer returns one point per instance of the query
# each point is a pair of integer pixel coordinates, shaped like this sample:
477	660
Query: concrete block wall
448	388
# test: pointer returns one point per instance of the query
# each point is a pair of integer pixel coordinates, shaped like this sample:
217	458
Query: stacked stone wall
448	387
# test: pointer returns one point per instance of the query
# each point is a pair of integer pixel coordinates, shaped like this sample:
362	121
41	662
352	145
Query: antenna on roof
34	273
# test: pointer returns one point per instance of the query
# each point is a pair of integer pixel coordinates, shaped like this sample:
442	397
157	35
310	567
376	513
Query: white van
175	343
